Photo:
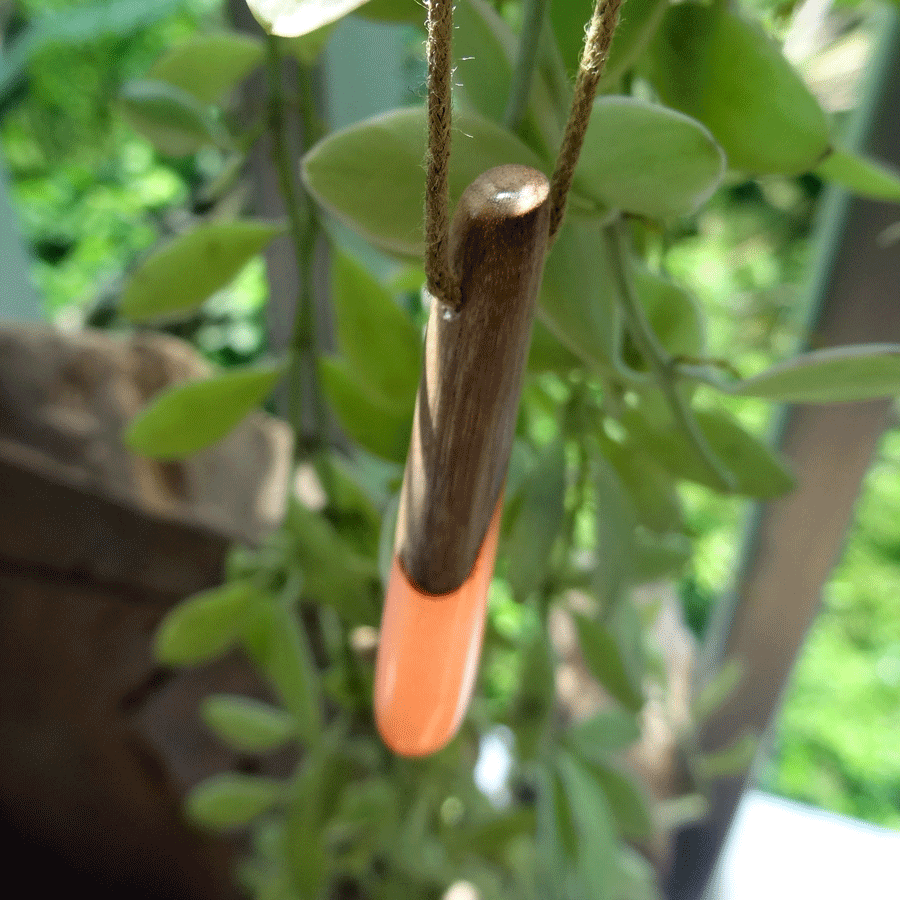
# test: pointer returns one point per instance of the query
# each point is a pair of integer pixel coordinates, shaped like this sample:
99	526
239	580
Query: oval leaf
578	298
170	118
607	731
231	800
377	427
205	625
556	835
280	649
371	175
658	556
835	375
380	343
861	175
596	857
291	18
209	66
247	725
606	661
614	536
757	470
548	354
190	416
726	72
538	523
485	50
627	800
191	267
717	690
634	31
645	159
334	571
412	11
673	313
650	489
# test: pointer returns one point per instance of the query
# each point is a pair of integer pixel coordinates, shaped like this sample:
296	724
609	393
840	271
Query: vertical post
793	544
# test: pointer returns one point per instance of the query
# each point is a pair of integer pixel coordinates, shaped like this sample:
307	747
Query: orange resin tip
428	654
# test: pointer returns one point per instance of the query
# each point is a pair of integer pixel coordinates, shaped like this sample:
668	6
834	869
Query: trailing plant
621	406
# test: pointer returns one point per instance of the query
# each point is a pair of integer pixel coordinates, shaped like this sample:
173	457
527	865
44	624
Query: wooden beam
794	543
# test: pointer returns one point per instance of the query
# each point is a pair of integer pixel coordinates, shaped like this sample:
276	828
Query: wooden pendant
451	499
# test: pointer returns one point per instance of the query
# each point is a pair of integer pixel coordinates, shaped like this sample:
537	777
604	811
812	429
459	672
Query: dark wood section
471	380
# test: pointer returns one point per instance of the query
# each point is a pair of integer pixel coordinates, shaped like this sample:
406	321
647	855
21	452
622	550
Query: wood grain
472	377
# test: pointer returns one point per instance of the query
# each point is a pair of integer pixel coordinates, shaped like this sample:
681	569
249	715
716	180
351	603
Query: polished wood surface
472	376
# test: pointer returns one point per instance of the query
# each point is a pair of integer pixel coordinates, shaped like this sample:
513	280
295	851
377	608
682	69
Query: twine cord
441	282
590	69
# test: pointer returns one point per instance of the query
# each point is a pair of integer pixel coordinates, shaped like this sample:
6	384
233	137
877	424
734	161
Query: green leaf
727	72
484	51
376	426
863	176
614	536
335	573
279	647
291	18
651	491
713	694
673	313
627	800
556	836
534	697
680	811
382	346
607	731
596	858
231	800
658	556
412	11
67	27
307	48
204	626
539	522
578	298
636	878
548	354
170	118
638	22
646	159
606	660
490	838
371	175
835	375
209	66
189	416
315	797
190	268
733	760
245	724
758	471
627	627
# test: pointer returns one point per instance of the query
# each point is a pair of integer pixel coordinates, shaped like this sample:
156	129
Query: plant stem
526	61
657	358
303	374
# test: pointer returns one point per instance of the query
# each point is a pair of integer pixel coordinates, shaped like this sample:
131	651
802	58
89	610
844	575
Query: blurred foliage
95	198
